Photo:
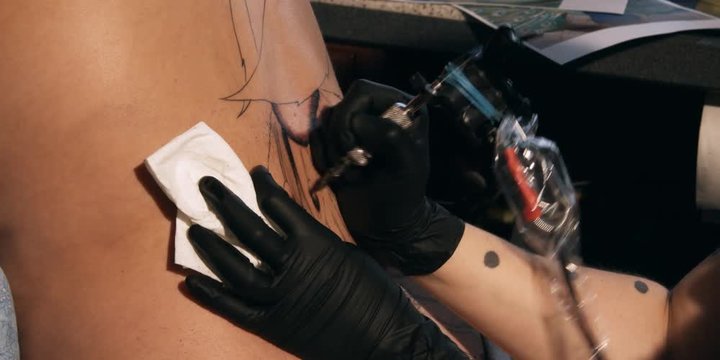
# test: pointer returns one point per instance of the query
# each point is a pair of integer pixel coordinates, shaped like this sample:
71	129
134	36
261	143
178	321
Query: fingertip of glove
259	169
196	232
200	286
212	189
194	279
265	185
261	177
206	181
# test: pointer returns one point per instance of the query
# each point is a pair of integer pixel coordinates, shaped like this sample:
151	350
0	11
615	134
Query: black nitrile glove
320	299
384	203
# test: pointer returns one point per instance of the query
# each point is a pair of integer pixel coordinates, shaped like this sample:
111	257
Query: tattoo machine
460	79
399	113
532	175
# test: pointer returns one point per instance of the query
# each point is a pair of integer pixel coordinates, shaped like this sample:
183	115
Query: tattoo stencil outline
306	105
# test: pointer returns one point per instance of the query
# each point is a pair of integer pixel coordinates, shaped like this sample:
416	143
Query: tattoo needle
356	156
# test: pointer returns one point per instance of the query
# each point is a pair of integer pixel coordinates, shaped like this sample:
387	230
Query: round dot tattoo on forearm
641	287
491	260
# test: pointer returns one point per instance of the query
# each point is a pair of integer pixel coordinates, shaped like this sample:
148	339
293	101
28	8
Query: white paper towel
178	167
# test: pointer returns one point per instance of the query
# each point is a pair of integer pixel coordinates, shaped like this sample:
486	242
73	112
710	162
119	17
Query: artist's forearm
693	328
492	285
505	293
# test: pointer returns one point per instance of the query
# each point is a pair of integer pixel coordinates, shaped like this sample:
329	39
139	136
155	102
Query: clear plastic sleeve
533	177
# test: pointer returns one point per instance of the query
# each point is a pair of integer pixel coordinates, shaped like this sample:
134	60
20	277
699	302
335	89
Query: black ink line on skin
285	136
237	40
315	200
314	99
315	96
337	223
271	126
252	29
314	122
641	287
312	114
336	95
248	80
288	163
243	64
310	97
491	260
314	104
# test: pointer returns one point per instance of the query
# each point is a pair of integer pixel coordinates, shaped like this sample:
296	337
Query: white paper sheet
602	6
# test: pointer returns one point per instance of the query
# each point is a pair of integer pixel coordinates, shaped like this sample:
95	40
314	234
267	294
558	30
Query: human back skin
90	89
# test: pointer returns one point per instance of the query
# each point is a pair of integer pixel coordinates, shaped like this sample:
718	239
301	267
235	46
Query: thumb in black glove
320	299
384	203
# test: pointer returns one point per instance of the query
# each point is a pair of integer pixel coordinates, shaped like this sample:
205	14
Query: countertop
688	59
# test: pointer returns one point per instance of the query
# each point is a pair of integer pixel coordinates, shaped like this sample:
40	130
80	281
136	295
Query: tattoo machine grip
399	113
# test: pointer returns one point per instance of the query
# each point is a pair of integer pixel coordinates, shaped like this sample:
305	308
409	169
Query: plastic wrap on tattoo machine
533	177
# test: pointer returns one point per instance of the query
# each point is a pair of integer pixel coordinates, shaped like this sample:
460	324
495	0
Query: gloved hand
384	203
320	299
